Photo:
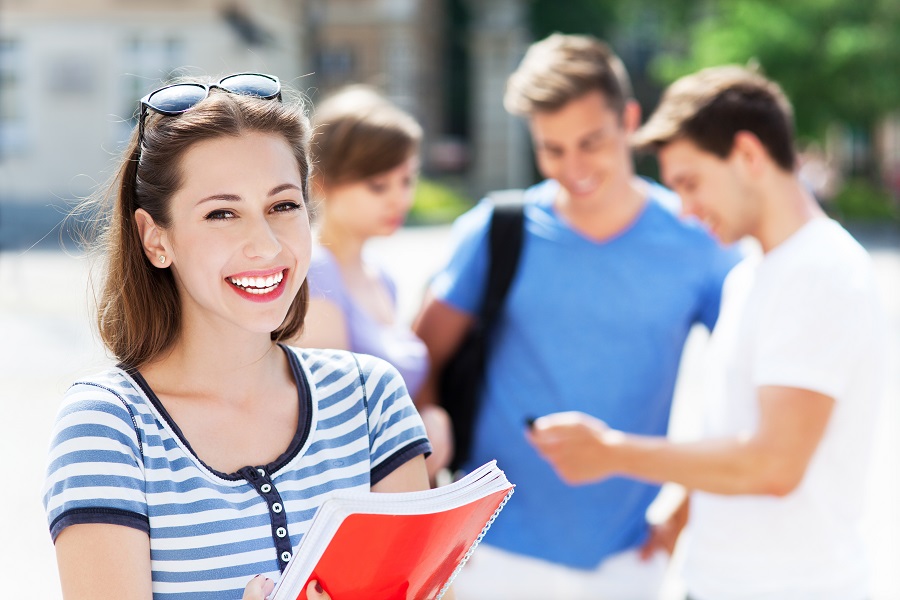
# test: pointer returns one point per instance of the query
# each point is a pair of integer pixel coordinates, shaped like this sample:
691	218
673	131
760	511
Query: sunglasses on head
178	98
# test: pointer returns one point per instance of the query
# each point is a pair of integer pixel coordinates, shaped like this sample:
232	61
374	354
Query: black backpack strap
506	235
461	379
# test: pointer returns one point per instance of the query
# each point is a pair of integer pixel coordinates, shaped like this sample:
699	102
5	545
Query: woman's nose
262	241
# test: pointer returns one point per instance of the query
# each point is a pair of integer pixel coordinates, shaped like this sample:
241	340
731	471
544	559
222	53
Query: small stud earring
162	258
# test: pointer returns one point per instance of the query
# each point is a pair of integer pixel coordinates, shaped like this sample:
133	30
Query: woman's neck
345	245
239	365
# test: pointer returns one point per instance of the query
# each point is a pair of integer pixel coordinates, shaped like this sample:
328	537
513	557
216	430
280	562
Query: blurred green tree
837	60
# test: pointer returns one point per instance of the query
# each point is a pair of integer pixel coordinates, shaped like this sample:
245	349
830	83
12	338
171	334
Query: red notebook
395	546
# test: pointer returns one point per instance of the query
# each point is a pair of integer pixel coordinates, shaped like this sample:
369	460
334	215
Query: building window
13	133
150	63
335	65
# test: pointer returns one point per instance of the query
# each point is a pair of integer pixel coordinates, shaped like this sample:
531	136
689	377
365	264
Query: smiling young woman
193	467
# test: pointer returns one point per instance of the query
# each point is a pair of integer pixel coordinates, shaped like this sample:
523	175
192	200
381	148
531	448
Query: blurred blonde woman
365	152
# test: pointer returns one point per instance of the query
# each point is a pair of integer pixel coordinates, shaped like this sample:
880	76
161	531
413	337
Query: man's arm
442	328
772	460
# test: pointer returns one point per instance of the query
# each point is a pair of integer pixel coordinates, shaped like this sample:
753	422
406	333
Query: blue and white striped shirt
117	457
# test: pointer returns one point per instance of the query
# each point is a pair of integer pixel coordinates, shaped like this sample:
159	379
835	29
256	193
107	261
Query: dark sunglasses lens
177	98
251	85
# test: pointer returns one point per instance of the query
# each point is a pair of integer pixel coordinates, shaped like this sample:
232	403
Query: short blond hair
562	68
711	106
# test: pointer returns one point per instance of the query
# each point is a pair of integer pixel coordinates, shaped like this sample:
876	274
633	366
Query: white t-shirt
804	315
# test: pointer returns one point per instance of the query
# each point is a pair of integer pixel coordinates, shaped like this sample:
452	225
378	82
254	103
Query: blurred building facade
72	72
405	48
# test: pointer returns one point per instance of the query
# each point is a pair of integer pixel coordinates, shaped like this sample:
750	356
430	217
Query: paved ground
46	339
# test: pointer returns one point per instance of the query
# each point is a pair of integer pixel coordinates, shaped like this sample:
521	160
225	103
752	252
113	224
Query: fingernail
319	589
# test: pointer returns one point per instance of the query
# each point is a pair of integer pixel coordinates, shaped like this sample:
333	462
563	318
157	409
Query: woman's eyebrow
284	186
229	197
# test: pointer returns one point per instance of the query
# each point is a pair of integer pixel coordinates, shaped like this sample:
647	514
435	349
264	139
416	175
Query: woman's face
374	206
239	237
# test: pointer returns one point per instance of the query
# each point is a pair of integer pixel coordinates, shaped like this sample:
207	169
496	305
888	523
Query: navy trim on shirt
111	516
304	421
420	446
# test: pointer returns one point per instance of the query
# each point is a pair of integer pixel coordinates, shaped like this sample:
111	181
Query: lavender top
394	343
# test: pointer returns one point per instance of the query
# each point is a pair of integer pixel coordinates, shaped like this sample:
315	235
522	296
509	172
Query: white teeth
258	285
260	291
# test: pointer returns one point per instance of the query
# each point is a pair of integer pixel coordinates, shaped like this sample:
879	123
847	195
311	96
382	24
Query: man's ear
631	116
153	239
750	152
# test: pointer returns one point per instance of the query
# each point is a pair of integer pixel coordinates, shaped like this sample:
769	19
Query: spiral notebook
395	546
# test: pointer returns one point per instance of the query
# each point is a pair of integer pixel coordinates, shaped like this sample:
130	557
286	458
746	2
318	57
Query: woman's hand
258	588
314	591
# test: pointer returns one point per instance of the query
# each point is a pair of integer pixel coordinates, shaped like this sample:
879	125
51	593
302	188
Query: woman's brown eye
219	215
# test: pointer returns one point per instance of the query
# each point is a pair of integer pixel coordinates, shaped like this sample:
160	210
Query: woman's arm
411	476
99	560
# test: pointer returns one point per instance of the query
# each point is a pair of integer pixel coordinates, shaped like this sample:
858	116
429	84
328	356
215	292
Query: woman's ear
153	239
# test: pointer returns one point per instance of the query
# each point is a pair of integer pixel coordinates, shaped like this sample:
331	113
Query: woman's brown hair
358	134
138	306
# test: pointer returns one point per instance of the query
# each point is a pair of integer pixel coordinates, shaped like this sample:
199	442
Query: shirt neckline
546	201
304	421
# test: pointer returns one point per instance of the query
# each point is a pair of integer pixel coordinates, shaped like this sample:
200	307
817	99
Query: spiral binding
477	541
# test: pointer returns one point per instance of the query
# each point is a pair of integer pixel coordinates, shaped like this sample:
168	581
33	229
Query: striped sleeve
396	430
95	472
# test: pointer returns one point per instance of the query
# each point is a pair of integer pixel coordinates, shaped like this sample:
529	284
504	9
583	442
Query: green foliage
607	19
436	203
835	59
861	200
594	17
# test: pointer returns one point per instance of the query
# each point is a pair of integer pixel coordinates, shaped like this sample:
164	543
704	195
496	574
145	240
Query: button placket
262	483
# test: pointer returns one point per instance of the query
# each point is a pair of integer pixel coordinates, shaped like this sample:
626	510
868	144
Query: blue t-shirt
393	342
591	326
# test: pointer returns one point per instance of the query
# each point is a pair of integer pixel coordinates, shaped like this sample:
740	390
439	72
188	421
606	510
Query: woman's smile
259	287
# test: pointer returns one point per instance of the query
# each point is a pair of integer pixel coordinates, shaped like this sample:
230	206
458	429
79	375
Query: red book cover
405	546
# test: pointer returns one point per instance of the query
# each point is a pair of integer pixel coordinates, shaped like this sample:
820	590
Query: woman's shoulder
330	364
104	405
111	386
